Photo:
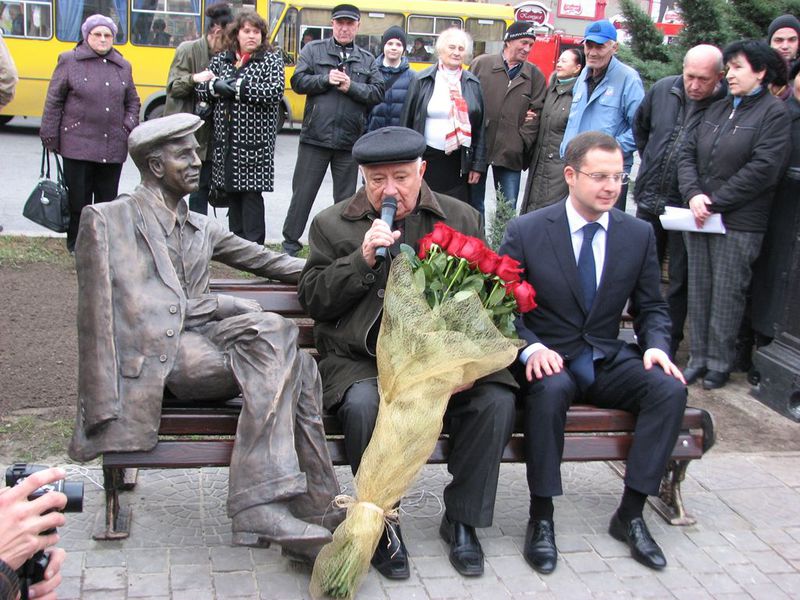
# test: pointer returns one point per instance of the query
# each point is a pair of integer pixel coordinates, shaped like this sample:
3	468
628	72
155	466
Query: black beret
389	145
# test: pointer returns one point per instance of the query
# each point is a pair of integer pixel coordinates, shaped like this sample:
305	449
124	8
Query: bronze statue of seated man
146	322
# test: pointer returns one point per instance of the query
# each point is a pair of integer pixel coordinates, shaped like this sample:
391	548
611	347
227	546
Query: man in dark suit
586	259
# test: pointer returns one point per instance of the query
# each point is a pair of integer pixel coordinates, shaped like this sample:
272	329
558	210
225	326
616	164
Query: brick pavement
746	543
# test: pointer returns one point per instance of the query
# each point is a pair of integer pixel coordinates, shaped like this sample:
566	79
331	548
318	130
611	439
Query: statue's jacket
133	308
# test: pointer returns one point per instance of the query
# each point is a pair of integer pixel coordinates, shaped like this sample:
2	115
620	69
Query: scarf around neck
461	132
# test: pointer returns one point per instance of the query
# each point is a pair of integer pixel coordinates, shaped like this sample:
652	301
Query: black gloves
224	88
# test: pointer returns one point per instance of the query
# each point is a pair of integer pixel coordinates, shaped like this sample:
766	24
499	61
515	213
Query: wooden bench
202	435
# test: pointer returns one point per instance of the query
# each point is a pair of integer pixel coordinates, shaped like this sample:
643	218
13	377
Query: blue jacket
611	108
388	112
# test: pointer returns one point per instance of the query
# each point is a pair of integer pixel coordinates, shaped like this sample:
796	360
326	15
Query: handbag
218	198
48	204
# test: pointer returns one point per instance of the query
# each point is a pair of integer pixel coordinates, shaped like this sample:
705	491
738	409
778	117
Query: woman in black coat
445	105
731	166
246	94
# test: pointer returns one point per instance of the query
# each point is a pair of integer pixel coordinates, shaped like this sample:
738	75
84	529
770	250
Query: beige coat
509	138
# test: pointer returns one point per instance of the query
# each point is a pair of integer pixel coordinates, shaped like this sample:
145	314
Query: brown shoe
260	525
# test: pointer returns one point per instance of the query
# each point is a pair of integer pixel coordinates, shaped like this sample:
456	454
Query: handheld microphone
388	209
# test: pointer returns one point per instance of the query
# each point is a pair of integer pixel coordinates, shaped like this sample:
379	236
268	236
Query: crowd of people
722	137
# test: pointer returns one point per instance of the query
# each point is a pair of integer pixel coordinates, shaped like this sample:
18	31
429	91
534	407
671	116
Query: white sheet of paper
682	219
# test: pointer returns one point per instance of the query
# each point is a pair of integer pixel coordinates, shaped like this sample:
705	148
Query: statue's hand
243	306
231	306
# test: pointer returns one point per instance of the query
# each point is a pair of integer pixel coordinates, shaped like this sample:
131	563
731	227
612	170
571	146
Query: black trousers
246	216
88	183
480	422
309	171
657	399
671	243
443	173
198	201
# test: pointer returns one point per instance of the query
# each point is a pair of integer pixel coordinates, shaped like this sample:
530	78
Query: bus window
275	12
286	37
27	18
423	32
487	35
373	24
71	15
165	22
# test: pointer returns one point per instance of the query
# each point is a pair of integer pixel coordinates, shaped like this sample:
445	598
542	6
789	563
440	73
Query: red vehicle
547	48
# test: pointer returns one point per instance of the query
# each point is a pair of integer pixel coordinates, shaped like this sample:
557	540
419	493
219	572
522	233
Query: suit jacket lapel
561	242
157	245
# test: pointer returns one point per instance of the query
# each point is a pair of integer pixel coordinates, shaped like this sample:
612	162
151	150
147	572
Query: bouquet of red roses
450	263
447	321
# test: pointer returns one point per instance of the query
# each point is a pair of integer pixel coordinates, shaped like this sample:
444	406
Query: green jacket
190	58
345	296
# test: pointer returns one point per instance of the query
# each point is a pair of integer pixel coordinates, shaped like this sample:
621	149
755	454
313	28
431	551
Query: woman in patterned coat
246	93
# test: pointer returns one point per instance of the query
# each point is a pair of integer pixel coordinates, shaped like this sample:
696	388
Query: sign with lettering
577	9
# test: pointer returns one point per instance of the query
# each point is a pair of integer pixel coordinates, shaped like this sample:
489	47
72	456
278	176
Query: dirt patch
38	364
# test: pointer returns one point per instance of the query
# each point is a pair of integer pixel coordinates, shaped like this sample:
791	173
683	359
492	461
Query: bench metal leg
669	504
115	523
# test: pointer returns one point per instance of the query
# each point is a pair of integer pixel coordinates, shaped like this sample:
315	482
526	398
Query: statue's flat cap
389	145
157	131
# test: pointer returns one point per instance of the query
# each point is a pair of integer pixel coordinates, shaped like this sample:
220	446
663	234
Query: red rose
455	243
508	269
472	250
488	262
525	296
424	245
441	234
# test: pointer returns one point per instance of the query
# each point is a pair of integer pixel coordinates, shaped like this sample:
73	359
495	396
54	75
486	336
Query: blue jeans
504	179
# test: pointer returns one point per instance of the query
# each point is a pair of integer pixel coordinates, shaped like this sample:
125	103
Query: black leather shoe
715	380
466	554
540	546
391	558
643	547
692	374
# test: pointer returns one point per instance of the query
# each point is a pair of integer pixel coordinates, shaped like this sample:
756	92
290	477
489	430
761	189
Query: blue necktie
582	366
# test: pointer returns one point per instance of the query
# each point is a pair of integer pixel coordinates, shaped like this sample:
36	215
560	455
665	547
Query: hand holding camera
31	508
339	78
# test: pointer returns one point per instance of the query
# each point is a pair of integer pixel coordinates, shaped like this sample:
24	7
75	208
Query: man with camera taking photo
28	527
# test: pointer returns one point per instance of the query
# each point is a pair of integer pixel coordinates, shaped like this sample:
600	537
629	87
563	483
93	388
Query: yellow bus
37	31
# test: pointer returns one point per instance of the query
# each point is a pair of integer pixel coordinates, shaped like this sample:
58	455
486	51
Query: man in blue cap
607	94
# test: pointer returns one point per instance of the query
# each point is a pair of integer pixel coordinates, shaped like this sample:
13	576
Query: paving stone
104	558
432	566
503	546
188	556
190	577
585	562
481	588
769	508
104	595
601	582
73	565
69	588
720	583
606	546
411	592
788	582
279	586
772	535
234	558
767	591
699	562
148	584
647	586
147	560
207	594
235	584
747	575
725	555
745	541
693	594
706	539
788	551
769	562
627	567
104	578
445	587
573	543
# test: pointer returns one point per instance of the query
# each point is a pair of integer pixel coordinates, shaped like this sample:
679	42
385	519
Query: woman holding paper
731	167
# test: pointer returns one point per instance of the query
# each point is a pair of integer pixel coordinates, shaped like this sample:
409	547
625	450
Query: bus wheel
4	119
155	112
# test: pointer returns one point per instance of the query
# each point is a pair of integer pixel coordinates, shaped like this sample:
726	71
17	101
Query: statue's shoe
261	525
330	519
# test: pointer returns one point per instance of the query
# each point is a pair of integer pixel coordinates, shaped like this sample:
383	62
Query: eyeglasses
604	177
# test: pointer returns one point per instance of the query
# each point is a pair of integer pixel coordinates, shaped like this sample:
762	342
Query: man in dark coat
341	83
669	112
586	260
146	322
342	286
511	87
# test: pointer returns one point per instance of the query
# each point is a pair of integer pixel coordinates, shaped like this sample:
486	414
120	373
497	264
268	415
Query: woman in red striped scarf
445	104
